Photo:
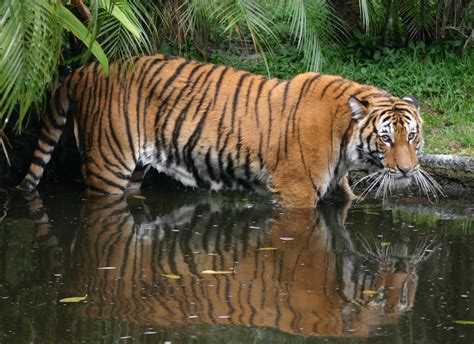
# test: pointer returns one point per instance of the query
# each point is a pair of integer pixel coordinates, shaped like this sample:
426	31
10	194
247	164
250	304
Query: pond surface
399	272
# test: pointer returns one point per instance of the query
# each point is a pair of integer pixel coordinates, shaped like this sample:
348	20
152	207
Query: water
399	272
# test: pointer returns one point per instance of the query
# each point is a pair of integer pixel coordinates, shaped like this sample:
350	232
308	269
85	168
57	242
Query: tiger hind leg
137	176
104	178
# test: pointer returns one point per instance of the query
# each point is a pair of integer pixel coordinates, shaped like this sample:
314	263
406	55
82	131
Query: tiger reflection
297	271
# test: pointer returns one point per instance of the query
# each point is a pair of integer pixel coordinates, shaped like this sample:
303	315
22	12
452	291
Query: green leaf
235	14
117	40
30	40
464	322
73	299
74	25
312	24
266	249
116	12
364	12
219	272
369	293
171	276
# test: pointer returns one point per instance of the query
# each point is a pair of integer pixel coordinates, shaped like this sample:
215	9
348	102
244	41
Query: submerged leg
347	188
138	174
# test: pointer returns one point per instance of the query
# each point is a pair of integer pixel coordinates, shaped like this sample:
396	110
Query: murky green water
401	272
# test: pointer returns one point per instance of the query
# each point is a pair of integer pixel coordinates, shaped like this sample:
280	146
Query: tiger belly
208	172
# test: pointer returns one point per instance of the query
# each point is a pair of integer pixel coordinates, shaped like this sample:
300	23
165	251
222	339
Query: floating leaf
266	249
212	272
138	197
171	276
106	268
287	238
369	293
384	243
464	322
73	299
371	212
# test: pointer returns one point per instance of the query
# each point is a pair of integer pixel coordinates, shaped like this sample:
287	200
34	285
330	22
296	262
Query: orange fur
213	126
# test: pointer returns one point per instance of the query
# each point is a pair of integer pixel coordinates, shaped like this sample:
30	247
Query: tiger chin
216	127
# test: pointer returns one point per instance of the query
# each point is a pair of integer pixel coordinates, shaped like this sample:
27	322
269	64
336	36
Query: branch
83	10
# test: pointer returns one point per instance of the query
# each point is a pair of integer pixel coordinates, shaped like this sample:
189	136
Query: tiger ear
358	107
412	100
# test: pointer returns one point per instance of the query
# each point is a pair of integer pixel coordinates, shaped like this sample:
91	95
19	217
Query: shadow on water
336	272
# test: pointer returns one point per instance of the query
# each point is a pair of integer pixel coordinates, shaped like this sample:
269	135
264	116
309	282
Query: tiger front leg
346	187
294	191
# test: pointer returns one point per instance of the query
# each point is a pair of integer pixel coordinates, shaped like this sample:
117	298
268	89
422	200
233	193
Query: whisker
421	183
433	182
369	253
370	176
428	185
388	187
417	181
381	187
371	186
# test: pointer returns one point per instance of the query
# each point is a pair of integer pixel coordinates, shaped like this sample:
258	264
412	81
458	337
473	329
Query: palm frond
123	27
377	12
74	25
30	39
196	19
312	24
248	14
364	9
420	17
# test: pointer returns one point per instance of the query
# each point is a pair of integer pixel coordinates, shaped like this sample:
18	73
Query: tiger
215	127
145	263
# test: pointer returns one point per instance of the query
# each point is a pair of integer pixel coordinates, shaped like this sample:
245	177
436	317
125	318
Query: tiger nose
404	169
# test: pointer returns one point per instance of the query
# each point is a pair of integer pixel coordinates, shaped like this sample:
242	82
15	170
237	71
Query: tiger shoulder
216	127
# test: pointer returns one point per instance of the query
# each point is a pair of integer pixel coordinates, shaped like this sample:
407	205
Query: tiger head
393	287
388	138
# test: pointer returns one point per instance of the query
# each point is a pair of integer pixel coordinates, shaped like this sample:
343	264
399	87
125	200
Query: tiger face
388	139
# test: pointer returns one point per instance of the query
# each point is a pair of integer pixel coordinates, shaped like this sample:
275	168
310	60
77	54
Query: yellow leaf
384	243
212	272
266	249
138	197
171	276
464	322
73	299
369	293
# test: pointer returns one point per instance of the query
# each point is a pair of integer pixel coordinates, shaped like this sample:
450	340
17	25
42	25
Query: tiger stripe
213	126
